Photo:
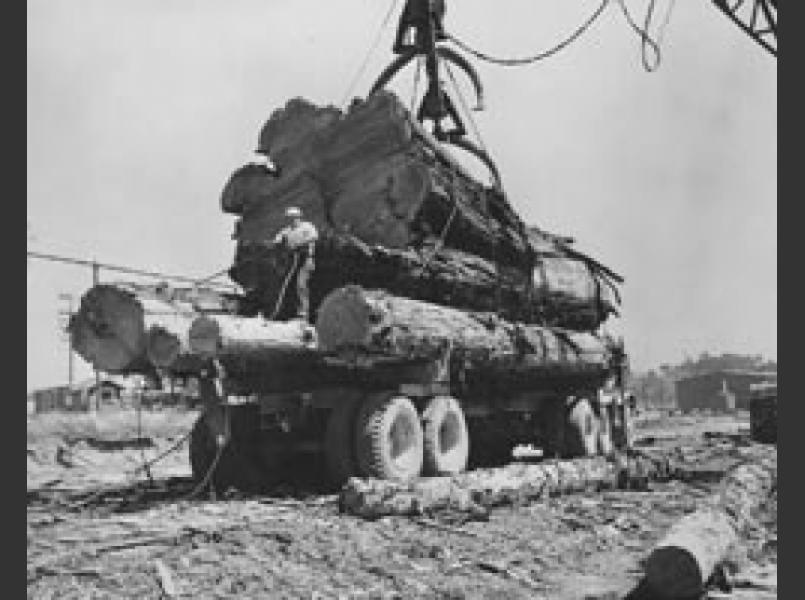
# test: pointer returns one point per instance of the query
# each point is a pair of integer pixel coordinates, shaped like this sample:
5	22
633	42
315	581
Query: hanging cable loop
513	62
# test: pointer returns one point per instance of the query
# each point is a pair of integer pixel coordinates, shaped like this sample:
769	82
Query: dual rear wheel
384	436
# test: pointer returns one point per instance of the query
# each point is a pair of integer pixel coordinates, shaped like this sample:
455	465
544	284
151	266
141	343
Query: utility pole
69	313
96	278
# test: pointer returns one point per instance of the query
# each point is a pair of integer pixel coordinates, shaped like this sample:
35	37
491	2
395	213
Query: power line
369	53
120	269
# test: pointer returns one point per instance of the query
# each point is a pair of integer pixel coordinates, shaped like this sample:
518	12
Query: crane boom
757	18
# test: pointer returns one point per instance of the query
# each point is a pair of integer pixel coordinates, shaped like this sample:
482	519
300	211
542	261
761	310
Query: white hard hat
258	159
293	211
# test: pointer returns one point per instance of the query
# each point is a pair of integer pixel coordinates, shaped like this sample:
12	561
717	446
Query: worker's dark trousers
305	271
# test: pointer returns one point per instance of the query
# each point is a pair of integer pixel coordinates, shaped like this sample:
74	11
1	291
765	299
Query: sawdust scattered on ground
97	531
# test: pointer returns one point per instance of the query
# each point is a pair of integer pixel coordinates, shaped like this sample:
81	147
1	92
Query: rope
646	41
139	436
214	465
159	457
416	82
463	102
373	47
218	453
213	276
490	221
284	287
131	476
511	62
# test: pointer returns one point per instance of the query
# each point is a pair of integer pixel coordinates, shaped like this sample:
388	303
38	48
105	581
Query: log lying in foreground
475	491
561	291
373	322
685	558
373	172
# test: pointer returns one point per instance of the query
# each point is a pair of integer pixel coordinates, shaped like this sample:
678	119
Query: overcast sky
139	110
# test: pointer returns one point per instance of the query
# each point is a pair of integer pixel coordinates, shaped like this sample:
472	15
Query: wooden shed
723	390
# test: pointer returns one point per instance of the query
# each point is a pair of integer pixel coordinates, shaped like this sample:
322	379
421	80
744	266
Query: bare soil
97	529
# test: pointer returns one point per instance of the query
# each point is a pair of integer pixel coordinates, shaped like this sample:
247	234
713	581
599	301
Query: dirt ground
95	530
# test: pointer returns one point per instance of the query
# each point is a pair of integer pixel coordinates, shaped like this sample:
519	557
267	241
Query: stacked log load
131	328
415	259
396	212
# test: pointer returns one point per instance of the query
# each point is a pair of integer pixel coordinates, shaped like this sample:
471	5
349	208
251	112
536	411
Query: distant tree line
655	387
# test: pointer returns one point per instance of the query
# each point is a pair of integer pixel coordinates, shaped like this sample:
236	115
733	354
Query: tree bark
476	491
110	328
685	558
376	173
167	345
254	351
559	292
373	322
229	336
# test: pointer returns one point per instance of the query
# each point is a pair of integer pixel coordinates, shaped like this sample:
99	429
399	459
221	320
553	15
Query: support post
96	278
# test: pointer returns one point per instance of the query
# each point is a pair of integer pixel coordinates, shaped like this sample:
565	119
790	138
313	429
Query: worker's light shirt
298	235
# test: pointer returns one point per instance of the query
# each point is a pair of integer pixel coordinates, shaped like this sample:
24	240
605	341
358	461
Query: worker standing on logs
299	236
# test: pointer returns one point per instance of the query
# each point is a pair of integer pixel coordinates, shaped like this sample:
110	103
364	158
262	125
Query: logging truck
393	388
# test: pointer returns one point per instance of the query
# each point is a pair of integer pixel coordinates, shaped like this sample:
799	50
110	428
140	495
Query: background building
722	390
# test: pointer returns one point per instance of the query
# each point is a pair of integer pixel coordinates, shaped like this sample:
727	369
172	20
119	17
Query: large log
373	172
253	350
560	291
110	328
478	490
167	345
681	563
373	322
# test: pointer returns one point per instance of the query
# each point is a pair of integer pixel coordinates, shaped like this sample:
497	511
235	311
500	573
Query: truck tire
606	446
446	438
339	441
581	431
389	438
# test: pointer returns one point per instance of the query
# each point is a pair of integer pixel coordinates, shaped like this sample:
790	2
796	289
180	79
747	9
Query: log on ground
681	563
476	491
